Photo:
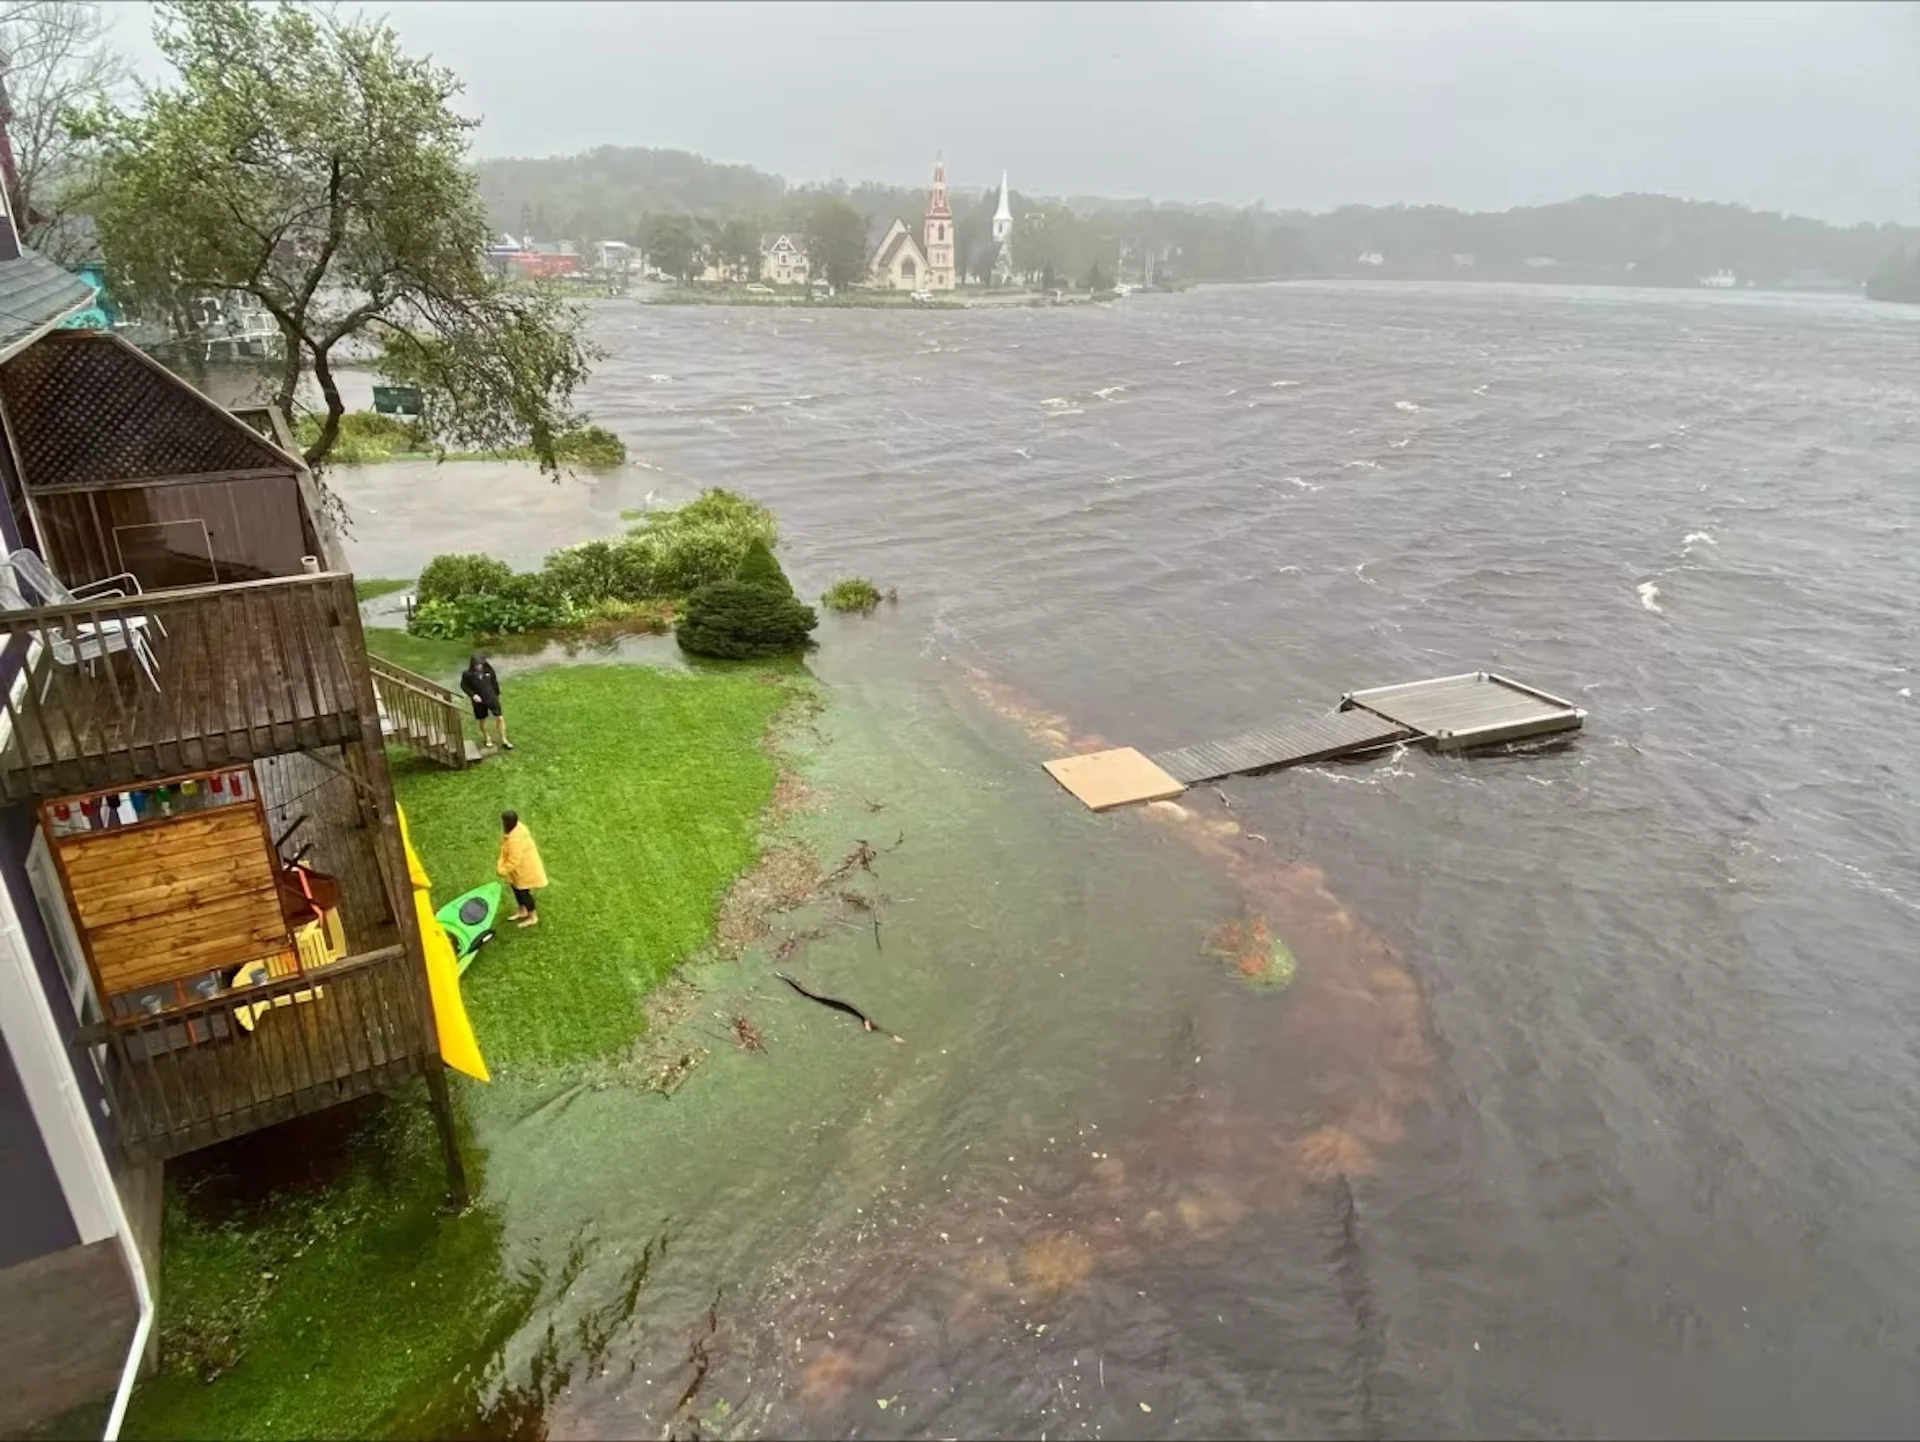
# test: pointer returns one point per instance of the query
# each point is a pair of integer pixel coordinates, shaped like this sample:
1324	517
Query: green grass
371	590
441	661
320	1289
368	437
644	790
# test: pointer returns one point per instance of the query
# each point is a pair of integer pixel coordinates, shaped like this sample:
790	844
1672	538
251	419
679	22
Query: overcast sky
1812	108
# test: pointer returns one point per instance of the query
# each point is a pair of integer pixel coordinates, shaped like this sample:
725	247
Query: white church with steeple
1003	237
932	260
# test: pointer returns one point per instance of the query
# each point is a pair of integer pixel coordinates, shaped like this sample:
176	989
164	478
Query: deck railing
128	689
419	714
199	1074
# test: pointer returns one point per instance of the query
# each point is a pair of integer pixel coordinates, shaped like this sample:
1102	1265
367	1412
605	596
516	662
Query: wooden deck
196	1075
1319	738
245	671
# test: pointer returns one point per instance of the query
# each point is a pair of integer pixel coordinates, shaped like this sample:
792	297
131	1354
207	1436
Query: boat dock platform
1448	713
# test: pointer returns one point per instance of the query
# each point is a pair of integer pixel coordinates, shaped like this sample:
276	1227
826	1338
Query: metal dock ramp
1448	713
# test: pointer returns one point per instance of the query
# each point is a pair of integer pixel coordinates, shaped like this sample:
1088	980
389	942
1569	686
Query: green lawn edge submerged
351	1304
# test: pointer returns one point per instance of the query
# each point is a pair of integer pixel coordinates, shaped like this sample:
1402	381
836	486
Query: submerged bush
735	621
855	593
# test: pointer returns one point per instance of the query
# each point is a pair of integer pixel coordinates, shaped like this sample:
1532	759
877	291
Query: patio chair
38	578
84	643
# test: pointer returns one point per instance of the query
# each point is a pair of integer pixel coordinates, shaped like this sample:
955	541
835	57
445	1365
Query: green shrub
618	570
853	594
364	436
523	606
590	446
701	542
735	621
448	578
759	568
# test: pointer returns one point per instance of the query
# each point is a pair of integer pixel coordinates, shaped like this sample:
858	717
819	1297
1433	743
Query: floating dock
1448	713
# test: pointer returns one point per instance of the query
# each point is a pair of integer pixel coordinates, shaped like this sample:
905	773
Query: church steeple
937	238
1003	217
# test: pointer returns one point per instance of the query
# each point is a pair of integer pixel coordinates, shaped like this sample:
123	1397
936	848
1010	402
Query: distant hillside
610	193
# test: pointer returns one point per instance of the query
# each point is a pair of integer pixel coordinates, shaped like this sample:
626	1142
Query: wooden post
393	864
449	1144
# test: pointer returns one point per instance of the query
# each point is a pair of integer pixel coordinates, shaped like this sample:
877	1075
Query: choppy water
1644	1163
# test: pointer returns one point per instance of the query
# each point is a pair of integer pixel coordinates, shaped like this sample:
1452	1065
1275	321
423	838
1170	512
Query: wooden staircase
422	715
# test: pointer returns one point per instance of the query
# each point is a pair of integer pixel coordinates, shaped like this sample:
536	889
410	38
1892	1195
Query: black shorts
484	709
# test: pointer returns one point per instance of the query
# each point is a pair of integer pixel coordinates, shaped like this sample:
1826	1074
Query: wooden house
206	925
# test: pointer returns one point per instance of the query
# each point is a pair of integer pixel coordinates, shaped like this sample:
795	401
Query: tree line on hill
686	210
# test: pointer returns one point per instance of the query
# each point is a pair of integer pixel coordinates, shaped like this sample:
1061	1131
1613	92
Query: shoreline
871	879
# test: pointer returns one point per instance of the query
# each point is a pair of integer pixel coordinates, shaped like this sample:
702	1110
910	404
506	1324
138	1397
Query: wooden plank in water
1318	738
1104	779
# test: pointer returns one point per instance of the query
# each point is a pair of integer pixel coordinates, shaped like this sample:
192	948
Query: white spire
1005	212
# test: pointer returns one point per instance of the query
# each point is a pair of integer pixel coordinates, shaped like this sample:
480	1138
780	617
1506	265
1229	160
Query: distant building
1540	262
903	263
1721	279
783	260
1371	257
1464	261
899	263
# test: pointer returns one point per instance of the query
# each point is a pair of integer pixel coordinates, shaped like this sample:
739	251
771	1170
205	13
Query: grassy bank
367	437
314	1286
643	789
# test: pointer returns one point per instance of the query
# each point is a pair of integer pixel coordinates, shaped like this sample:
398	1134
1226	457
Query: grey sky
1812	108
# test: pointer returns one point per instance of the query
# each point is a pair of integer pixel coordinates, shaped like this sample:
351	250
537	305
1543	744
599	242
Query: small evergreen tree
754	614
759	568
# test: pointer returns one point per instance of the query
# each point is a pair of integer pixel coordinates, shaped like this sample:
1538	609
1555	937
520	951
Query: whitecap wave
1054	403
1656	446
1107	393
1401	444
1696	538
659	380
1302	484
1283	385
1649	596
1408	406
1480	390
1360	466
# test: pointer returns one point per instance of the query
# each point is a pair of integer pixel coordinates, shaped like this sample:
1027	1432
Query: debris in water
848	1007
746	1035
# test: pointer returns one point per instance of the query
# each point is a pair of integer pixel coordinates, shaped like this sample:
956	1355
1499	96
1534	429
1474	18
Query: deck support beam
442	1101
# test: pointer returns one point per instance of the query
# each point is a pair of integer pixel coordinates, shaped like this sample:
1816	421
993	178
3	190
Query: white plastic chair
86	643
36	577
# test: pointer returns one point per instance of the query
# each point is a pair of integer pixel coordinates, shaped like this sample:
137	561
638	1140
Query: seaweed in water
830	1001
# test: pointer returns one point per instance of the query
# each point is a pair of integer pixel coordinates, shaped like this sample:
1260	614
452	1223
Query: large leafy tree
837	243
305	160
738	247
671	244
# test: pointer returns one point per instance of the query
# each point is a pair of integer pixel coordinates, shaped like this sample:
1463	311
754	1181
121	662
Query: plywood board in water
1104	779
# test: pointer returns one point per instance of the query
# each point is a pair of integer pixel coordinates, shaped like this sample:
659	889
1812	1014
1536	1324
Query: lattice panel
88	408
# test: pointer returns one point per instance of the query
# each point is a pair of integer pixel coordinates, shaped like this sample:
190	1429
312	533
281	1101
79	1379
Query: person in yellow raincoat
520	867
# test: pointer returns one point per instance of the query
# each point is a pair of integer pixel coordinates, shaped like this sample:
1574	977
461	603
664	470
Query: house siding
34	1219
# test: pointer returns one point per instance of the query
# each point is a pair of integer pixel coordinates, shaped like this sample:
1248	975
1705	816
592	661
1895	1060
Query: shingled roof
35	294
